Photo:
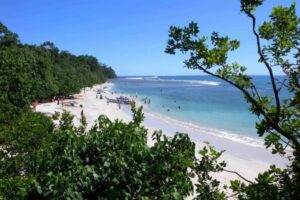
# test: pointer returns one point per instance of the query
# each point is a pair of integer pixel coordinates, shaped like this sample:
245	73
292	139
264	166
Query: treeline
29	72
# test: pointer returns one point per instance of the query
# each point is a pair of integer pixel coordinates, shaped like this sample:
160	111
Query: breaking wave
134	78
196	82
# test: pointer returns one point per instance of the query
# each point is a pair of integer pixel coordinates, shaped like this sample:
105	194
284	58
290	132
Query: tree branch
263	59
253	87
234	172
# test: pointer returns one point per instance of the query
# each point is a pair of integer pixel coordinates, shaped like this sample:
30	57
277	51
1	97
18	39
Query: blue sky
131	35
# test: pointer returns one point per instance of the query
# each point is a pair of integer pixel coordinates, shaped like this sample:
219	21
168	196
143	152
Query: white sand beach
248	160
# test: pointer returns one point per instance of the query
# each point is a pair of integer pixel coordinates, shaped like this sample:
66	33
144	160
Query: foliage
111	161
29	72
208	188
277	43
25	135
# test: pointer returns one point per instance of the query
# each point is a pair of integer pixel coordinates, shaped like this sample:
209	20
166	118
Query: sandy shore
246	159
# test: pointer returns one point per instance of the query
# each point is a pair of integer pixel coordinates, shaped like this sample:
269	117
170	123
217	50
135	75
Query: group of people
168	109
100	96
146	100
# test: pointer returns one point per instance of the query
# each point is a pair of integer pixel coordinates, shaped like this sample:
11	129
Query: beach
248	160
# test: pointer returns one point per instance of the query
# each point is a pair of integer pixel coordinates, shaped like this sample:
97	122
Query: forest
31	72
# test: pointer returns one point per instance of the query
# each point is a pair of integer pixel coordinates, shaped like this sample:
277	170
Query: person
148	101
119	105
96	96
34	104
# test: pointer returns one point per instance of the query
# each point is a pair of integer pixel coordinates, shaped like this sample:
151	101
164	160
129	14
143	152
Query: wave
195	82
213	83
134	78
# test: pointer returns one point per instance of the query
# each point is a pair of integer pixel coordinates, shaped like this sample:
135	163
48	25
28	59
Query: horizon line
194	75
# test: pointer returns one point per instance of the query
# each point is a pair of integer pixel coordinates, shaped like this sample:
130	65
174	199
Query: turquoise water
203	100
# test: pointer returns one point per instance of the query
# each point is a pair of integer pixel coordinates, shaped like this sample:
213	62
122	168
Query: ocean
201	101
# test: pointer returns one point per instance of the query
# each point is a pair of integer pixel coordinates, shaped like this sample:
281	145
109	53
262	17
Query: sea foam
134	78
194	82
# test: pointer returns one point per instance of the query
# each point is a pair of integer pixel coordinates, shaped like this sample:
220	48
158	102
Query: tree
7	37
30	72
110	161
277	43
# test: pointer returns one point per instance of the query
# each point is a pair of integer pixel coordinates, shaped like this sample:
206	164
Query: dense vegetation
29	72
111	161
40	159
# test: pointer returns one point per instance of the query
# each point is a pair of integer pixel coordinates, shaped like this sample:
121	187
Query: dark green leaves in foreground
111	161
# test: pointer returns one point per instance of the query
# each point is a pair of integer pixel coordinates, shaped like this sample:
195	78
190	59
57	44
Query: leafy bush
111	161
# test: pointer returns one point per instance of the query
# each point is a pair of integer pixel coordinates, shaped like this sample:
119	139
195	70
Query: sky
131	35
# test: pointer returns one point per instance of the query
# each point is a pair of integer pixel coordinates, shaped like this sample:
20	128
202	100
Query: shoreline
247	140
159	109
246	159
